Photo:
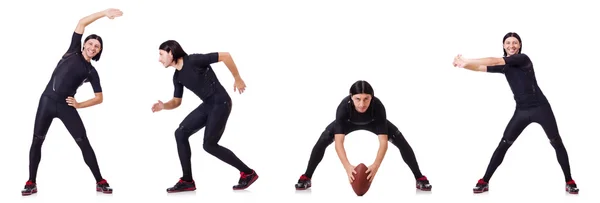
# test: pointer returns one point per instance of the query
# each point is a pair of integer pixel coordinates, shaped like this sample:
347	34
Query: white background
299	59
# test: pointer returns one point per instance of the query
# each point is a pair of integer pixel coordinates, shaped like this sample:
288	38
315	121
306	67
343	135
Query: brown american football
361	185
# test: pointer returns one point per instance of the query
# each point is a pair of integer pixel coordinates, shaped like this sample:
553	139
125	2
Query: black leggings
542	115
395	137
212	114
48	109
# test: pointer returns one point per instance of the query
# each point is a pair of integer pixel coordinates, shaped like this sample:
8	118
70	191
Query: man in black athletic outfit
195	73
57	100
361	110
531	106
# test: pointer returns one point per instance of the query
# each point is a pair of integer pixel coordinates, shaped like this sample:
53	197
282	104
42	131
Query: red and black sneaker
481	186
182	186
30	188
303	183
246	179
103	187
571	187
423	184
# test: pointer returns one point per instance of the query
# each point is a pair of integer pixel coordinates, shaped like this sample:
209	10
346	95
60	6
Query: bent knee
556	141
506	142
39	137
210	146
394	135
81	140
181	133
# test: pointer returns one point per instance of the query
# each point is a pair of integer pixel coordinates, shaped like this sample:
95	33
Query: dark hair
96	37
174	47
361	87
515	35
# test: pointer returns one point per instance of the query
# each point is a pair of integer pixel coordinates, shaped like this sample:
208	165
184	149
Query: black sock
187	179
248	172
